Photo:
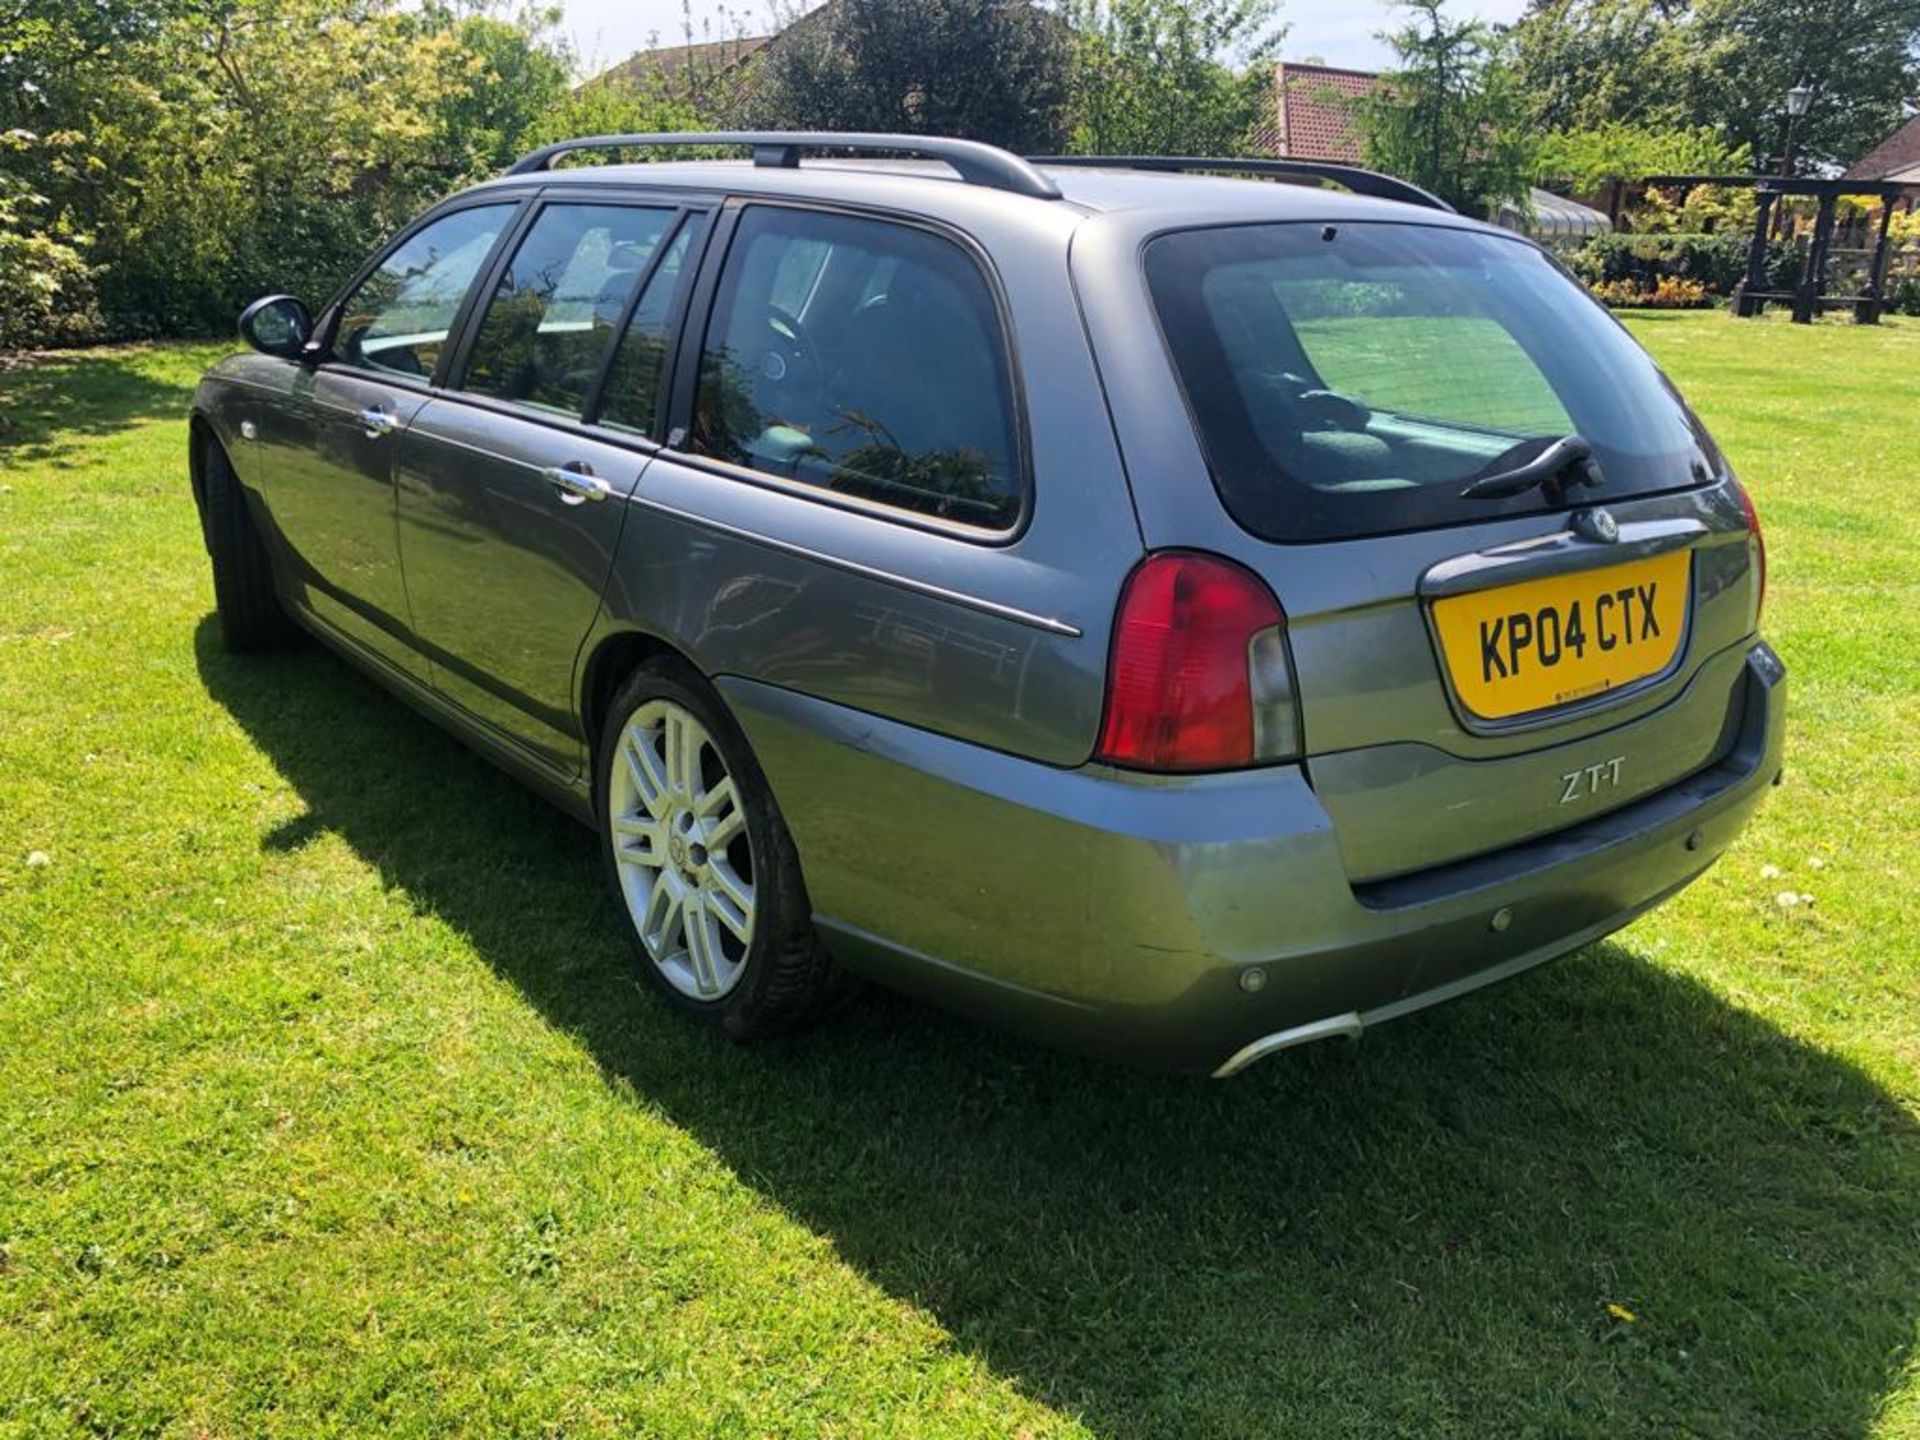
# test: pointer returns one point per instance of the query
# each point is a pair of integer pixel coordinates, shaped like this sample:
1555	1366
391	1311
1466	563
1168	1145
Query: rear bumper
1196	923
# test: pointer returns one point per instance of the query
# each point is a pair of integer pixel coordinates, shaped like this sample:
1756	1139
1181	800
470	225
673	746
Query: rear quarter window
862	357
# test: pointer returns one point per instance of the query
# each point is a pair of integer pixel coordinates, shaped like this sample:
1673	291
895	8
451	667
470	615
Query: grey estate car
1174	614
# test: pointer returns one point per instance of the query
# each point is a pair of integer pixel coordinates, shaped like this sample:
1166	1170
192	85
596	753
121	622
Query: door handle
377	422
576	484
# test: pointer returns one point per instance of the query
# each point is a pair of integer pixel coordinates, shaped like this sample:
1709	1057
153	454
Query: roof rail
1361	182
975	163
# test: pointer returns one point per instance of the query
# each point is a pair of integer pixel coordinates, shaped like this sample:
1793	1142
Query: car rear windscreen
1352	379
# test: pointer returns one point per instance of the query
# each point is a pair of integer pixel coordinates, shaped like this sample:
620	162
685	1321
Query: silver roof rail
973	162
1356	179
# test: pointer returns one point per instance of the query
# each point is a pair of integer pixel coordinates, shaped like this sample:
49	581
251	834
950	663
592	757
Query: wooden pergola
1809	297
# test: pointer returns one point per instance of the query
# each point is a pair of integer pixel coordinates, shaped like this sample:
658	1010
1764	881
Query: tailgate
1497	695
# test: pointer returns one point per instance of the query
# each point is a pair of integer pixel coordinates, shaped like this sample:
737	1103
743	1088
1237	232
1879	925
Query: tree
1450	116
1727	64
615	105
1586	63
992	70
192	153
1860	57
1170	77
1584	161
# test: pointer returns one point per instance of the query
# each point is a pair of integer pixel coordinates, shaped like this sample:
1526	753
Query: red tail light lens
1759	549
1180	687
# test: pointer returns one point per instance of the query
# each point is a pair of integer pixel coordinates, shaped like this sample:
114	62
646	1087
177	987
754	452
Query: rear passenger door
511	503
838	508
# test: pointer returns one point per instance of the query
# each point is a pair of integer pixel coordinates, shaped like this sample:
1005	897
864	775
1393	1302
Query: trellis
1809	297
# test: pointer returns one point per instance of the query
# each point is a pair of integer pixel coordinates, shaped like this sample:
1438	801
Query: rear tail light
1199	677
1759	550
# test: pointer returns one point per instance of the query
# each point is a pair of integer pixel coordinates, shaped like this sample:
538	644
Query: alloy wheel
683	851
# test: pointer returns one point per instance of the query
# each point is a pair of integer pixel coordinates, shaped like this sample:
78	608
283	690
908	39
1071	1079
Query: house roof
713	57
1315	111
1895	158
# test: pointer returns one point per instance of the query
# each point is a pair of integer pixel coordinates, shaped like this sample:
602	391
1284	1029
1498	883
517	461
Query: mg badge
1596	525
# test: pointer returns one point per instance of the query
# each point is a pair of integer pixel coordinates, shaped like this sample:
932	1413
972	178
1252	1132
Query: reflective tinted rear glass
1353	379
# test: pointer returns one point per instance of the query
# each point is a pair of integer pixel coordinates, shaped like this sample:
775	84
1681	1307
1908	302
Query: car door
328	480
510	503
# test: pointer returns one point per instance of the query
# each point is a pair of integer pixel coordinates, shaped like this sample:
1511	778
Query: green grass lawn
328	1104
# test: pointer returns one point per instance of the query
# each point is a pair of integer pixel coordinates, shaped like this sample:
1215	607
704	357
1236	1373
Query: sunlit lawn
328	1105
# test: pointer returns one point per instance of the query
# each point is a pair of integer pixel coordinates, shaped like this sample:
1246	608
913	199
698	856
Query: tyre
701	861
251	617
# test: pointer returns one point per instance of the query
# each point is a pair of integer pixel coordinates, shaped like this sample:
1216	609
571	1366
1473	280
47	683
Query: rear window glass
1353	379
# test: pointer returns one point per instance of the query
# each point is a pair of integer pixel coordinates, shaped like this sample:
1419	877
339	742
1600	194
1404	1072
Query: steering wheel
788	366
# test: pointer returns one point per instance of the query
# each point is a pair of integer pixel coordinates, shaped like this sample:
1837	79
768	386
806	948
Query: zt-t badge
1580	784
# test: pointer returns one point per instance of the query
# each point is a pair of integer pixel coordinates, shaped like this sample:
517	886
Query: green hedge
1717	261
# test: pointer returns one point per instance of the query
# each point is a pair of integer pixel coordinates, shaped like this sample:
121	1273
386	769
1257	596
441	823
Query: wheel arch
609	662
200	434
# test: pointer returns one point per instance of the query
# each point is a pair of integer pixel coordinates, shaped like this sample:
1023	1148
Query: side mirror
278	325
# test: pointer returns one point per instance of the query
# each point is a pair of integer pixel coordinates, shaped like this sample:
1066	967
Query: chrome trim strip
868	572
1559	552
1334	1027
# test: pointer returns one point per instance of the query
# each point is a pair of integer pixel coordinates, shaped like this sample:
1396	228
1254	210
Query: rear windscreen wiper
1553	465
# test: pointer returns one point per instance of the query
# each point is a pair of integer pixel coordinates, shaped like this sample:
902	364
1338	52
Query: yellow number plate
1543	643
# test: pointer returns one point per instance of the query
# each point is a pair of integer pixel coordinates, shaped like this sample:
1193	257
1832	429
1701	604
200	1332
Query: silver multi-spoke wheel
681	845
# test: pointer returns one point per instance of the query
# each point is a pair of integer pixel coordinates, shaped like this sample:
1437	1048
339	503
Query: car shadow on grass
50	404
1599	1199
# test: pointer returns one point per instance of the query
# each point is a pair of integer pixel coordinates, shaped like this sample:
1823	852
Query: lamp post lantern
1799	101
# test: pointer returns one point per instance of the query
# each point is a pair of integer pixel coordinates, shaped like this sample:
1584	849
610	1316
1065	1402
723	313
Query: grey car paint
331	485
924	699
1122	914
505	563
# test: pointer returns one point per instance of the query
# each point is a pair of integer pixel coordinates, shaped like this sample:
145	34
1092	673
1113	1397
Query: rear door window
865	358
556	307
1353	379
632	395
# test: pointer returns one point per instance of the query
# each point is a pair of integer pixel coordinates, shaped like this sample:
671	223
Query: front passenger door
510	505
329	477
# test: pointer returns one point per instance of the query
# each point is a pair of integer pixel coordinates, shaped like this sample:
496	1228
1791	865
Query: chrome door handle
377	422
576	486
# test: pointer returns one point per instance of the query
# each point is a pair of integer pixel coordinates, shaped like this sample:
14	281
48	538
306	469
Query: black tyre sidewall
251	617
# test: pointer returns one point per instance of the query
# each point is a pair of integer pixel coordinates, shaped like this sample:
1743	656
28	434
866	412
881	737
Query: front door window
398	320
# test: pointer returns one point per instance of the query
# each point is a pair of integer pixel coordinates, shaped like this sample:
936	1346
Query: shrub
1903	295
46	288
1669	292
1717	262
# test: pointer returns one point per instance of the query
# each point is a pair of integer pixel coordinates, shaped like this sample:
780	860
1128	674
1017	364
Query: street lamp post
1799	100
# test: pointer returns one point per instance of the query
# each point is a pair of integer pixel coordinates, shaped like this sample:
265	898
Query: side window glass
863	357
633	384
399	318
552	316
